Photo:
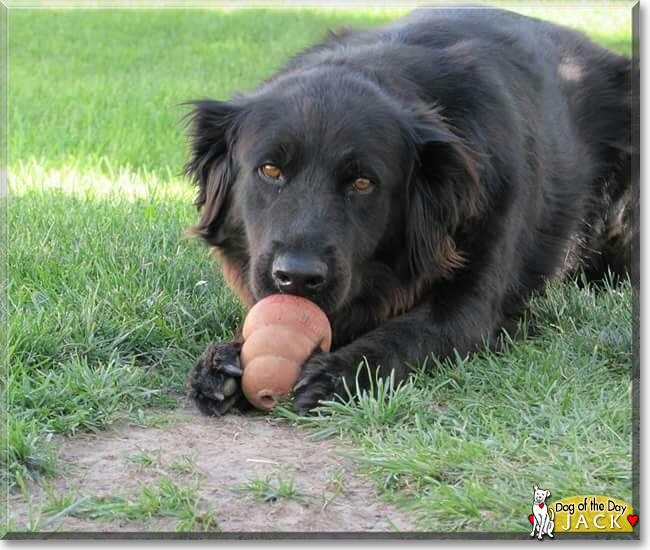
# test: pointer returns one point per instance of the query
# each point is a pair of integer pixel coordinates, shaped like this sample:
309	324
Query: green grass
167	500
271	488
109	302
144	459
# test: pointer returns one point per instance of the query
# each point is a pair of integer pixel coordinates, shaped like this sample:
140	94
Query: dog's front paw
214	382
321	378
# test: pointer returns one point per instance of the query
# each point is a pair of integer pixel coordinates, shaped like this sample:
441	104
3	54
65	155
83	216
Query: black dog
418	182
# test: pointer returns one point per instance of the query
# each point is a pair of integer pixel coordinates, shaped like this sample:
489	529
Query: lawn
109	302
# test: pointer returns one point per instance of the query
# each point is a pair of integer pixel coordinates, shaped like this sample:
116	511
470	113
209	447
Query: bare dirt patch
228	457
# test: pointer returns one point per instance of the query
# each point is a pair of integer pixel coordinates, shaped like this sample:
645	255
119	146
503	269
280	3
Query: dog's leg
535	524
406	339
214	383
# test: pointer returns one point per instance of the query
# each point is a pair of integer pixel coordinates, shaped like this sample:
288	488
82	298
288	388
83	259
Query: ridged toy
280	332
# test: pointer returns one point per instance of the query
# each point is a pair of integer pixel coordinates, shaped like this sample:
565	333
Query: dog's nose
299	273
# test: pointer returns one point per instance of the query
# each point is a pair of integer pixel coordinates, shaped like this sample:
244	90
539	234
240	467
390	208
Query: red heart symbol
531	518
541	505
633	519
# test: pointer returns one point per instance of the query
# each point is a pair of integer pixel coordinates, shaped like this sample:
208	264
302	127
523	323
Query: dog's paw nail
232	370
303	411
229	387
301	384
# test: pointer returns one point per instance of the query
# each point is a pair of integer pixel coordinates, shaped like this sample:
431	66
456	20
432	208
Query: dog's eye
270	171
362	185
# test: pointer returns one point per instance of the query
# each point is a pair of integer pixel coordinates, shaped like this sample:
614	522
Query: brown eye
271	171
362	185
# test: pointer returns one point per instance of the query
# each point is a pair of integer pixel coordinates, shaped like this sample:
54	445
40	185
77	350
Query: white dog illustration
542	520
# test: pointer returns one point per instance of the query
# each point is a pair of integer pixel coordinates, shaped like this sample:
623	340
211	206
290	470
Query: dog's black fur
499	149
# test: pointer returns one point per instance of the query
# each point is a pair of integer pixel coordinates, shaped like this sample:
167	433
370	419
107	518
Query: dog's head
311	180
540	495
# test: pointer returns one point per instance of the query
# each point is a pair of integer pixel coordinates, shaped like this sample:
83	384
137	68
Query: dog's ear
212	127
444	193
548	493
535	488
